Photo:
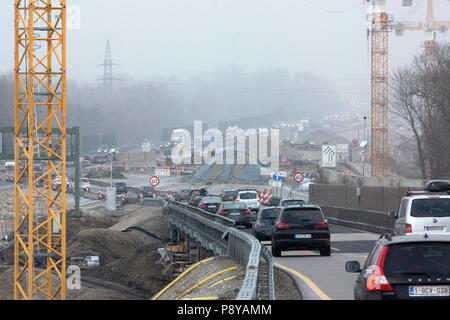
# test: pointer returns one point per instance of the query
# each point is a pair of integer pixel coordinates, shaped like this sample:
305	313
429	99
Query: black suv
413	267
183	195
301	228
121	187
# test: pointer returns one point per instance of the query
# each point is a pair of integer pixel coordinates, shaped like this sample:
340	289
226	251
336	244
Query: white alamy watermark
239	146
73	278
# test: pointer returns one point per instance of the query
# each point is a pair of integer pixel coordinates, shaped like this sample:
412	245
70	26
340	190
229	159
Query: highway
319	278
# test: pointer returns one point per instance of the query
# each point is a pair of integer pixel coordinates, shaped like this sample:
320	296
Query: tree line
420	95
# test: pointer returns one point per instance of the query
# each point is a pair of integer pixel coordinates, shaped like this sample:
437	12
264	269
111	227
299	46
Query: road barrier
372	221
217	235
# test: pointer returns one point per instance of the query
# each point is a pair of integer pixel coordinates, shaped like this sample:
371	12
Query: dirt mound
139	270
85	293
109	245
7	203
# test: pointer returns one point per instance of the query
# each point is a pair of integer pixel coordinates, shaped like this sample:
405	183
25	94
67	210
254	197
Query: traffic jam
412	263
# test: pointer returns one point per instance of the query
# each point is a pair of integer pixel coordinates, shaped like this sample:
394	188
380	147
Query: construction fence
380	199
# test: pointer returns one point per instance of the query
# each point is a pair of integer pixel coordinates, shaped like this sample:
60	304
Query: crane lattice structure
40	123
380	25
430	27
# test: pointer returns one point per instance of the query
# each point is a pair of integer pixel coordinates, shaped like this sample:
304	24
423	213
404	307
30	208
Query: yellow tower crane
379	36
40	140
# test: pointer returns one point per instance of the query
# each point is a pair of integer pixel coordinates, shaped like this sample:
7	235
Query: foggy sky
152	38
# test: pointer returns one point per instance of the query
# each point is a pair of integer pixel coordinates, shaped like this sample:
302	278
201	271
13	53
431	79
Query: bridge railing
217	235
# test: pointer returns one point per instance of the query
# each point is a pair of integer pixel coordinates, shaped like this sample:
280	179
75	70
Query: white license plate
235	214
434	228
429	291
303	236
211	207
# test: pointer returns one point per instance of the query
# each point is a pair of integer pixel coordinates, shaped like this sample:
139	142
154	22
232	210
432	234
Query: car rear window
247	195
301	216
431	207
293	202
229	193
269	214
431	258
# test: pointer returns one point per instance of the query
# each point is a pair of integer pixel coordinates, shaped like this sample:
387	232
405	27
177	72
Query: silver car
424	212
249	197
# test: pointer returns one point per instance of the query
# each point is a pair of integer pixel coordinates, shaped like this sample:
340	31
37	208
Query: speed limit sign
154	181
299	177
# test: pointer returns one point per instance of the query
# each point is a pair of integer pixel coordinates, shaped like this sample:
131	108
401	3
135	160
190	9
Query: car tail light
223	213
237	200
281	225
181	194
260	224
377	281
322	225
247	212
203	206
408	228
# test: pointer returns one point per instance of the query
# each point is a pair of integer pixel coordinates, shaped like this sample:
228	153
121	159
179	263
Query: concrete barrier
372	221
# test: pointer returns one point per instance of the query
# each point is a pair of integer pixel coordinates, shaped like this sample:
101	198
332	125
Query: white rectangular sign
276	183
329	156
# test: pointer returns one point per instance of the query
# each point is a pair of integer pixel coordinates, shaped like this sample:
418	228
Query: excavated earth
130	264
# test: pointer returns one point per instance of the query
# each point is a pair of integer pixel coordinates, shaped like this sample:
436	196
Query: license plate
212	207
302	236
235	214
434	228
429	291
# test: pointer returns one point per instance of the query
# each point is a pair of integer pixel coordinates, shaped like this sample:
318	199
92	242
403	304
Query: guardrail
218	235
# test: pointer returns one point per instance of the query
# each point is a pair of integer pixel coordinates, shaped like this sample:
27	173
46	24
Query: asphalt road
324	278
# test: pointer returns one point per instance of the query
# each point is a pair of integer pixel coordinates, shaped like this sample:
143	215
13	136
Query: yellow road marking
335	249
308	281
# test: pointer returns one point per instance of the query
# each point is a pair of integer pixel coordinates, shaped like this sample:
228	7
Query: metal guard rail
218	235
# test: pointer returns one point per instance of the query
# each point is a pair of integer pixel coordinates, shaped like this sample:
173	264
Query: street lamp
365	148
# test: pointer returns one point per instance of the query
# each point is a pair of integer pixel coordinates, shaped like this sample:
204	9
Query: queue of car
412	263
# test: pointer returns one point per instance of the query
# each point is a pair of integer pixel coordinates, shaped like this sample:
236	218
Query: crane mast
379	36
40	142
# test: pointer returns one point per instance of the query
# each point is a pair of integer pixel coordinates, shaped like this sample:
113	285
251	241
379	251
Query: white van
424	211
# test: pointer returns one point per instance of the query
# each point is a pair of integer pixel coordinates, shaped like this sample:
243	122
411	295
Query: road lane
328	273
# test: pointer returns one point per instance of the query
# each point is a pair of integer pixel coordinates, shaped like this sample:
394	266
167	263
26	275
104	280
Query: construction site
124	205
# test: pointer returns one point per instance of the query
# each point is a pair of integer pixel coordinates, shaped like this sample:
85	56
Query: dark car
210	204
183	195
262	228
147	192
121	187
237	211
301	228
228	196
195	200
413	267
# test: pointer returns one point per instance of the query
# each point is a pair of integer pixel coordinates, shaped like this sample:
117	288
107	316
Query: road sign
276	183
154	181
299	177
277	177
328	156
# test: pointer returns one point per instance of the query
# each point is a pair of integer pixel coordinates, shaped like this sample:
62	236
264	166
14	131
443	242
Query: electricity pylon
40	122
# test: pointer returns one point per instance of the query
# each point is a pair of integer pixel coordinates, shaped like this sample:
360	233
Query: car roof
309	206
387	240
428	195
